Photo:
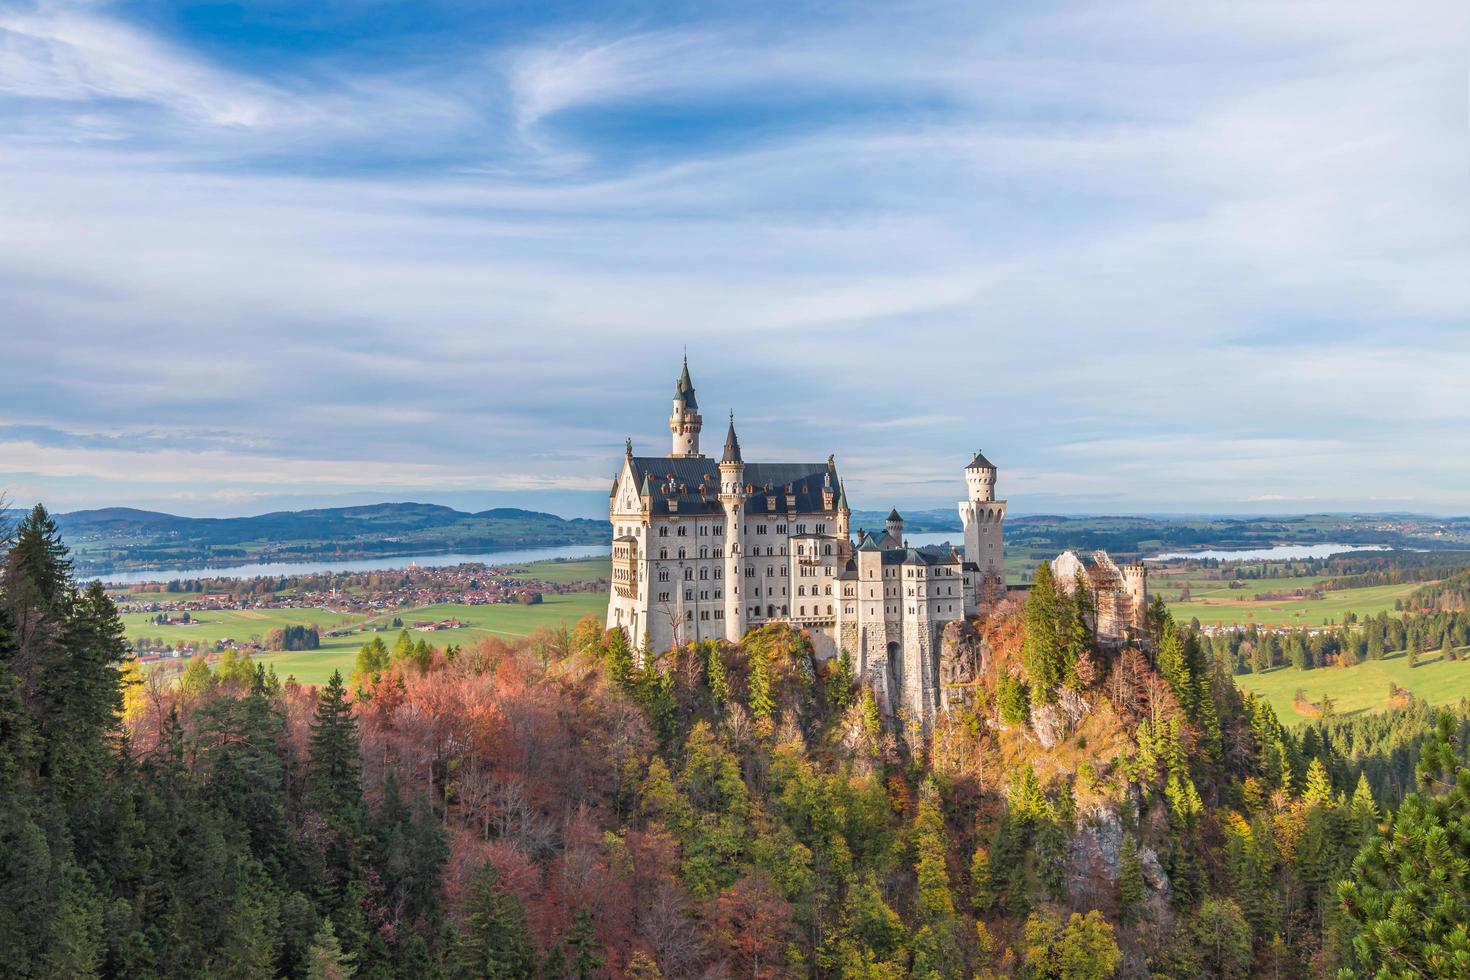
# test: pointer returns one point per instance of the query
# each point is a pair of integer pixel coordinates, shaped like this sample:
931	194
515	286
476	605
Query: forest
558	807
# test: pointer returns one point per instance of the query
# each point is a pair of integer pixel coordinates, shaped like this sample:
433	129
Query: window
801	529
663	531
719	614
683	531
689	595
689	575
681	553
663	574
760	529
663	552
780	528
749	572
703	574
704	614
663	597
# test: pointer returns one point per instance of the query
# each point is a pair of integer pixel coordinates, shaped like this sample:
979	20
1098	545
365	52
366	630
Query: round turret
685	421
980	478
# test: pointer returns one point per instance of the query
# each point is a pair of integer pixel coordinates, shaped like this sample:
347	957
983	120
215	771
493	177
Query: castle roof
980	462
893	515
732	444
684	389
678	481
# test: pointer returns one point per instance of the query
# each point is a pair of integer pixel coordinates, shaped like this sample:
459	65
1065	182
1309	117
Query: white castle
706	550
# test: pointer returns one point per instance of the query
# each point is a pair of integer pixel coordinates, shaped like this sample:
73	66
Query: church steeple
685	422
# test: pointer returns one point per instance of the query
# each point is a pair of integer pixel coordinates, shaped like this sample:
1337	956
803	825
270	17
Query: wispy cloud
1147	255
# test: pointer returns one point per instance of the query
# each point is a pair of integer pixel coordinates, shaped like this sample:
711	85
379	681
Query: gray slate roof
766	479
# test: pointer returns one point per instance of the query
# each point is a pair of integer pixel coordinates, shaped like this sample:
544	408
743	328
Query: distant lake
358	565
423	561
1280	551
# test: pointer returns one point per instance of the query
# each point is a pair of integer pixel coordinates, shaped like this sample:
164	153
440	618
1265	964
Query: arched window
681	552
663	552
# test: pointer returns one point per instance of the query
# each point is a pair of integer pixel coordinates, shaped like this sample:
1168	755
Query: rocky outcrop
964	658
1094	858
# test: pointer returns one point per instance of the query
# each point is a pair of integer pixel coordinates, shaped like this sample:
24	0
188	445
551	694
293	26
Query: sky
1151	257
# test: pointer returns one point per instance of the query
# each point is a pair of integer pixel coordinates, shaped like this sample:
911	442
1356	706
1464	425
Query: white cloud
1217	259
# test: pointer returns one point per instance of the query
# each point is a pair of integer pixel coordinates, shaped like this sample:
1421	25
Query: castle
706	550
1119	594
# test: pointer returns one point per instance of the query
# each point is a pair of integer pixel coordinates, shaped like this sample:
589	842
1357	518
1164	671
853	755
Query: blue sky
1149	256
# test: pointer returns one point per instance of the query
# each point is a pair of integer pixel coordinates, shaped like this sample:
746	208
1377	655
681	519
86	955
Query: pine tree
619	658
585	947
841	683
334	757
1042	646
715	676
759	681
1318	791
1080	637
982	890
935	902
1364	808
1130	881
325	959
494	942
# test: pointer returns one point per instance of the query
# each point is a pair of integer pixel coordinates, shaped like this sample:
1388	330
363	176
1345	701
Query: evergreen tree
1042	648
1223	939
935	901
494	942
326	960
982	890
715	676
585	947
334	757
619	658
1130	881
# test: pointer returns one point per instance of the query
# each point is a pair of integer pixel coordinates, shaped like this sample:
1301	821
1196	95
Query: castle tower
984	520
894	527
844	512
732	498
1135	580
685	422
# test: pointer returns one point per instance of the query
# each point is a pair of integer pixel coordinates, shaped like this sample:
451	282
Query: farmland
315	666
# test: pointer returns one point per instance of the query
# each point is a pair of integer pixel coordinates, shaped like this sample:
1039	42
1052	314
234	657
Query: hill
117	538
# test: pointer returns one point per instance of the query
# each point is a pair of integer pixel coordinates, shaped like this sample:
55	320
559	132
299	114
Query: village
366	602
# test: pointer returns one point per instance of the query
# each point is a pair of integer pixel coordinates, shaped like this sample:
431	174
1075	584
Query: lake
403	561
1279	552
514	557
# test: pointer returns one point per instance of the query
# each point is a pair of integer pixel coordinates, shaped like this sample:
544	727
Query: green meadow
338	653
1362	688
1223	606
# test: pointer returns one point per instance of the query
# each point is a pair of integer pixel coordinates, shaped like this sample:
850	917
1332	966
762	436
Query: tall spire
684	389
732	444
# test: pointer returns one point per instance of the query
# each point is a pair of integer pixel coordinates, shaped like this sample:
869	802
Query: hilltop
116	538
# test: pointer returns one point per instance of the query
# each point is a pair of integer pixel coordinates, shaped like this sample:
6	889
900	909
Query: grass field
560	572
1363	688
1224	606
315	666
